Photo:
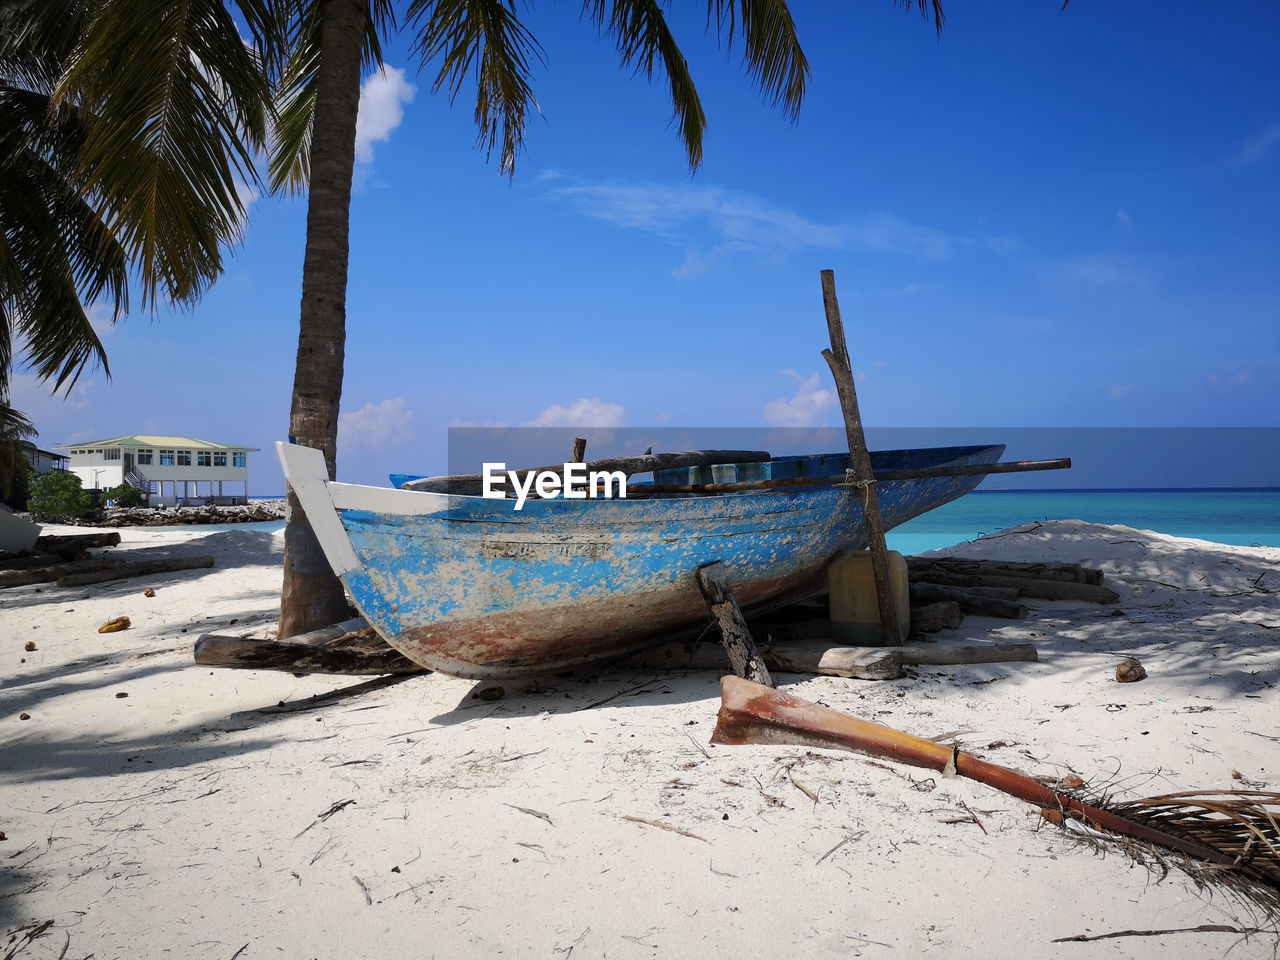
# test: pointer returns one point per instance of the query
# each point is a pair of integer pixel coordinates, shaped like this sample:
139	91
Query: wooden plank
1067	572
738	642
244	653
820	657
838	360
1026	586
947	655
117	570
971	601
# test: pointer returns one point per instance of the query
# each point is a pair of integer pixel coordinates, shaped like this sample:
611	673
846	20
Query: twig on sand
852	836
326	815
664	826
368	897
240	951
1203	928
975	817
34	932
533	813
701	748
324	699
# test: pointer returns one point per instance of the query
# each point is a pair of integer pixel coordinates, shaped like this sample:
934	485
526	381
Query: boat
470	586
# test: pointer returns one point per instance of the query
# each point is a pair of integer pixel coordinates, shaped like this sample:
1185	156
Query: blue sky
1041	218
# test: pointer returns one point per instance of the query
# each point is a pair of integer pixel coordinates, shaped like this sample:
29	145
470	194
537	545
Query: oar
751	713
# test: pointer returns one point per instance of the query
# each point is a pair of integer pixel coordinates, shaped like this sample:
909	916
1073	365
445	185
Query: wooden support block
738	643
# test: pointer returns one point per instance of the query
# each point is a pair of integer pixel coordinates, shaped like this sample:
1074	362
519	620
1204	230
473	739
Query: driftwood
734	632
50	571
1025	586
77	541
976	601
1067	572
471	483
120	570
932	617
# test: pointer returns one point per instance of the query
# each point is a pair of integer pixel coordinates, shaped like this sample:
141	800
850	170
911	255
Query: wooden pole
738	642
579	449
838	360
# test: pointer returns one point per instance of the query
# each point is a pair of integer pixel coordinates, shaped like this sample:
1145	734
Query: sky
1041	218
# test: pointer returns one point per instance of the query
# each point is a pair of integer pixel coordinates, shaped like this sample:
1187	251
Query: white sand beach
154	808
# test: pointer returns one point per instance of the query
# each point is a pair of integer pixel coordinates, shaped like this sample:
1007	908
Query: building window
144	458
111	454
166	458
237	459
184	458
204	458
220	458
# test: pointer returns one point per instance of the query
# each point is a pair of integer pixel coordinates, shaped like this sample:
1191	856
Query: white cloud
805	407
376	426
1123	218
1241	378
1257	146
382	97
733	221
582	412
1118	390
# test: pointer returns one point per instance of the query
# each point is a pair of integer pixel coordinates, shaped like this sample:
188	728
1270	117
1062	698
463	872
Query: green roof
144	440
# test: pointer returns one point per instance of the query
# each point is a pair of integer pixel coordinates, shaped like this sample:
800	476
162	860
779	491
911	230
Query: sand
155	808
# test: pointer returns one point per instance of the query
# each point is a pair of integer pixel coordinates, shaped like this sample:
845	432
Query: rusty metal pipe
751	713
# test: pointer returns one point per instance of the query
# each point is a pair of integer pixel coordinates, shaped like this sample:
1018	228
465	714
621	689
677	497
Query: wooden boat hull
471	587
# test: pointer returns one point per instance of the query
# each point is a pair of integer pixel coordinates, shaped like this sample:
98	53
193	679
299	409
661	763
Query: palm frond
771	48
178	104
482	39
927	7
56	252
643	37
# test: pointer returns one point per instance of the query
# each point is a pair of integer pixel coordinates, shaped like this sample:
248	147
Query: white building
171	470
43	461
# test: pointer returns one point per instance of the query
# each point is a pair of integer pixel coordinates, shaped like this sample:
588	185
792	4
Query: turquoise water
1241	517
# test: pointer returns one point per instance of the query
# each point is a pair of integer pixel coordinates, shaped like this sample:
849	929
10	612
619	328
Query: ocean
1236	516
1242	517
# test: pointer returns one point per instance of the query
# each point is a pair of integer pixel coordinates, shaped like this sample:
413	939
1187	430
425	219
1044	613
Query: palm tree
459	40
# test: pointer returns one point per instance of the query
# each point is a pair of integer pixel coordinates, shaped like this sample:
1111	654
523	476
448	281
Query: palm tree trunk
313	597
